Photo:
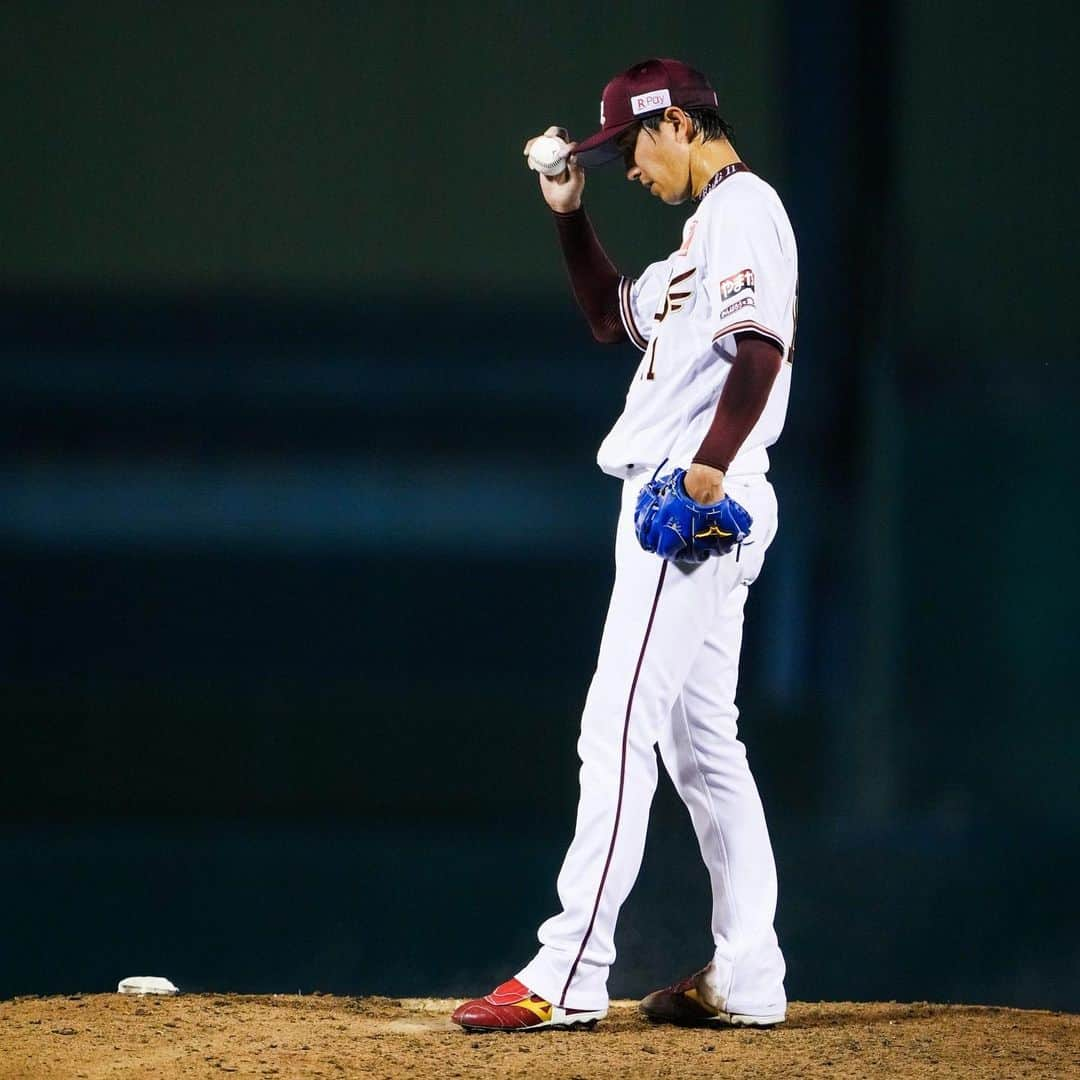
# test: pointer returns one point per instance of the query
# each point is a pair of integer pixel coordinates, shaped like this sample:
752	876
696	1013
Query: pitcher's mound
107	1035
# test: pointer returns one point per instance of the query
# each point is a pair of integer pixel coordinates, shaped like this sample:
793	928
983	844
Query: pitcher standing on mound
715	320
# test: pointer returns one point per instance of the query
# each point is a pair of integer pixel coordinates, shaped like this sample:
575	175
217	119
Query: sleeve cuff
626	313
757	328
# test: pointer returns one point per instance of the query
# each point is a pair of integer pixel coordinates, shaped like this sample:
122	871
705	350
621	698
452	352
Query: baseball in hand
547	155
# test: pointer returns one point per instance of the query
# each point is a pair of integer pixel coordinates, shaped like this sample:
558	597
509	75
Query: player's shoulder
741	194
745	205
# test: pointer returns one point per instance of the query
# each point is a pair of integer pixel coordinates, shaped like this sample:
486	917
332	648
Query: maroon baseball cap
642	90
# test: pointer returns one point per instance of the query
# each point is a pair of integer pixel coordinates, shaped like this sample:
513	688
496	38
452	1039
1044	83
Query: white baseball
547	155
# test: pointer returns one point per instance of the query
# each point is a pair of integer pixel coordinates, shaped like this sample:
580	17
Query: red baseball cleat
514	1007
691	1003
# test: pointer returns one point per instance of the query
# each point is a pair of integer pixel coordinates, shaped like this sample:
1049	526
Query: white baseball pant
666	676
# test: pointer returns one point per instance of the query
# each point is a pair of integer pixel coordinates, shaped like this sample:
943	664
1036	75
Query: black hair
707	122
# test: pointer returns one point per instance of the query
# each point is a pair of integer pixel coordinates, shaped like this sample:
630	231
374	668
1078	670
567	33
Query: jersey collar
721	176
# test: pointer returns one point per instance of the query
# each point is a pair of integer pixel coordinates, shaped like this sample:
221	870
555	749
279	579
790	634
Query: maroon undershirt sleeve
742	401
594	280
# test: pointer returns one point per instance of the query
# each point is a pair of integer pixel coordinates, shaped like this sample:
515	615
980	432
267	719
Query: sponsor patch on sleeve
745	302
737	283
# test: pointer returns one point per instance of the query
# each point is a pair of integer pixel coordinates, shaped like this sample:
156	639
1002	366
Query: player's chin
672	198
669	196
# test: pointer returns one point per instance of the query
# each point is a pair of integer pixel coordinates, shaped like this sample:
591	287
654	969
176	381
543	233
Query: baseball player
715	321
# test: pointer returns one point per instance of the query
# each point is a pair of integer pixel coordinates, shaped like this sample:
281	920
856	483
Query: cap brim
600	149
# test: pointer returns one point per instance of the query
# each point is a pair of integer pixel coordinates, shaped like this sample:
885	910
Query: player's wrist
710	463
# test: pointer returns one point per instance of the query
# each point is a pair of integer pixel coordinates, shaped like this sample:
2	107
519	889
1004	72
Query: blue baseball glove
670	524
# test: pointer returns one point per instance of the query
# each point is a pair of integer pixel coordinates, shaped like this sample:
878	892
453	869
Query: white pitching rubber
146	984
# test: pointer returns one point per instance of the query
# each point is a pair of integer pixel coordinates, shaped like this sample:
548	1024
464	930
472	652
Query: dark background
306	558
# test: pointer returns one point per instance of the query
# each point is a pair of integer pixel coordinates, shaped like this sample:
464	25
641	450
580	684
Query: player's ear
681	127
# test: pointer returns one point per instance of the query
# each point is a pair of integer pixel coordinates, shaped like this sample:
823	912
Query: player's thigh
659	616
673	627
709	690
658	619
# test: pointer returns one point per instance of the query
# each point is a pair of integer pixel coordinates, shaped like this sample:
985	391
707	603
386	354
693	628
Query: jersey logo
674	301
729	286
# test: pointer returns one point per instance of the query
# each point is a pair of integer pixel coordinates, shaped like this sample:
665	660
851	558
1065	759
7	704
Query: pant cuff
547	977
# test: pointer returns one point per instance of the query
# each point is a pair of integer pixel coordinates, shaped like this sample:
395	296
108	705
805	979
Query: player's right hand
562	193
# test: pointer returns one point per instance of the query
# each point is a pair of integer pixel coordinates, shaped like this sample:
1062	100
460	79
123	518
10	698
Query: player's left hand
674	526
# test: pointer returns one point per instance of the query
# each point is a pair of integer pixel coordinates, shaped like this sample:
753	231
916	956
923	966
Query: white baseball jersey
736	270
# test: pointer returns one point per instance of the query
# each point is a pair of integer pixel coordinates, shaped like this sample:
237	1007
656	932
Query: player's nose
633	173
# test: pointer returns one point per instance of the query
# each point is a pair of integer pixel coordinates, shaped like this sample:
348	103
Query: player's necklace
720	177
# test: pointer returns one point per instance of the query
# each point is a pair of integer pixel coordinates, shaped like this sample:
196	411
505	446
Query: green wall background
346	146
986	394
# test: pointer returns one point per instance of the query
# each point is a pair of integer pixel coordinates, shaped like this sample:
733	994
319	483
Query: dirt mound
107	1035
